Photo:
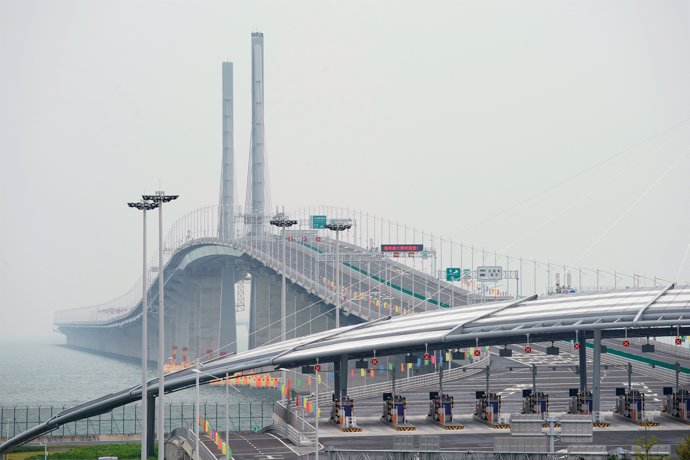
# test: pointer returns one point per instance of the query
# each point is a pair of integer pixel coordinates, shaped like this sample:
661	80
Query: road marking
281	441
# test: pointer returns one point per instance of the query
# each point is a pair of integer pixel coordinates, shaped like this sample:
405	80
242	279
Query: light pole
144	206
198	372
198	420
159	198
317	368
281	221
338	225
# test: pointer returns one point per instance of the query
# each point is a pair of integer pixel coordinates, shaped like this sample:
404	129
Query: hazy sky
435	114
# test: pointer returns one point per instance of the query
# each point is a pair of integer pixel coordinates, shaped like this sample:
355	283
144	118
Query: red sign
528	349
626	343
290	238
577	345
317	239
304	238
477	352
679	340
427	356
317	367
374	362
402	247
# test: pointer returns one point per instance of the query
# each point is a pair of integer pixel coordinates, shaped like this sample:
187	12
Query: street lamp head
168	198
339	227
143	205
159	197
281	220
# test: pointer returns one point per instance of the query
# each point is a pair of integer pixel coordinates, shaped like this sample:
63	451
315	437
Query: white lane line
281	441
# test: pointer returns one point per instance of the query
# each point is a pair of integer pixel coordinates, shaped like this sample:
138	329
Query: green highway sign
453	274
318	222
457	274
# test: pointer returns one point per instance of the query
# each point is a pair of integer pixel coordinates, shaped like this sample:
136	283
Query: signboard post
318	222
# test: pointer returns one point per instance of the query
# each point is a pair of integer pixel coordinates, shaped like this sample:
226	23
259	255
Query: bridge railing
526	275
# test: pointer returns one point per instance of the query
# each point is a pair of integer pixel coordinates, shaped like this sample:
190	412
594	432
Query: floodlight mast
338	225
159	198
282	221
144	206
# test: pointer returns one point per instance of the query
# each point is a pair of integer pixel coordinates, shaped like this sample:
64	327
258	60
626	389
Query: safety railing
411	383
295	427
127	419
368	232
190	436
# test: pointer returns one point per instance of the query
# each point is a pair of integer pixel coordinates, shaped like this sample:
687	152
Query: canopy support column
596	371
340	377
582	340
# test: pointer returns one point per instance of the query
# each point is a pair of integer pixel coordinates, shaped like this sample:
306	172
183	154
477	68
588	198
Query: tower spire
227	192
256	182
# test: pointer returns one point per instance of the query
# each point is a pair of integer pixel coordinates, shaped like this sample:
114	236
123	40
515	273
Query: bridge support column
228	327
340	376
582	340
150	424
596	370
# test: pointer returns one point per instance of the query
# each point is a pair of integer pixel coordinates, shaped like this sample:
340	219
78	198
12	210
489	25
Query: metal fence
125	420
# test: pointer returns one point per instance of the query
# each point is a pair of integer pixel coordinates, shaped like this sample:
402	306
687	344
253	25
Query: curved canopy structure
642	312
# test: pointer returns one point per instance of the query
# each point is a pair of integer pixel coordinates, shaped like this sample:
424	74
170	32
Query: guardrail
297	429
190	436
411	383
367	233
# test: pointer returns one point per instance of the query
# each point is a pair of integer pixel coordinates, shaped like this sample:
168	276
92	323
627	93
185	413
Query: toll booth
535	403
441	411
580	403
677	405
343	414
394	412
630	404
488	408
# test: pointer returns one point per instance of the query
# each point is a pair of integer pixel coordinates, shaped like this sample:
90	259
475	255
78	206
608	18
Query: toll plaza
630	405
488	409
535	403
580	402
394	412
343	414
441	411
677	404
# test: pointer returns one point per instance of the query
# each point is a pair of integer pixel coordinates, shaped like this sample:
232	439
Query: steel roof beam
656	297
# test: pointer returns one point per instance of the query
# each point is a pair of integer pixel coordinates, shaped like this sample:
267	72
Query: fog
550	129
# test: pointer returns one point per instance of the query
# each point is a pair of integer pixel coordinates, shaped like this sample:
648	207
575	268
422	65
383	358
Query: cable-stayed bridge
202	269
394	289
212	253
